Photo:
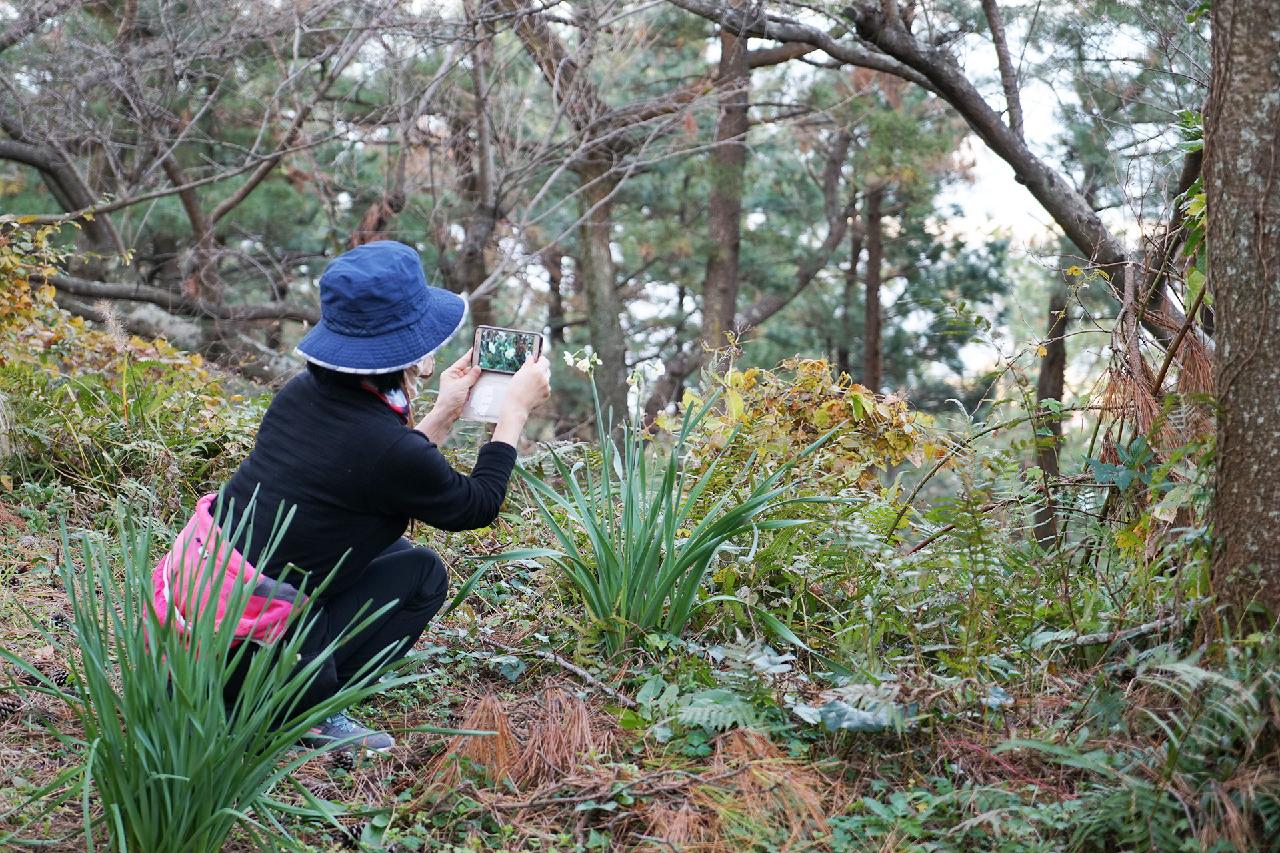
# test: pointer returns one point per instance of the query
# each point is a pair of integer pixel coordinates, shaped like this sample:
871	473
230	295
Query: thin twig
1123	635
1177	340
961	445
621	699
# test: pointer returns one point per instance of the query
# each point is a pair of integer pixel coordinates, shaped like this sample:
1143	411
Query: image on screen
505	351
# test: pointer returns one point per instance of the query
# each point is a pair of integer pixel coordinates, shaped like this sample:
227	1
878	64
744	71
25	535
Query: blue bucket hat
377	312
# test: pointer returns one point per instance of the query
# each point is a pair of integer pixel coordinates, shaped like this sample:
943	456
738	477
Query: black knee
433	577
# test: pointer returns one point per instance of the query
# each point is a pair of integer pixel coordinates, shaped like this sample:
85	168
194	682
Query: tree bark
872	354
552	260
724	212
1242	173
844	362
1008	74
1050	386
597	279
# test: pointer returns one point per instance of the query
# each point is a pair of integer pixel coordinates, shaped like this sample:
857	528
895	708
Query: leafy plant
146	430
717	709
939	816
103	411
773	414
649	541
1197	768
165	763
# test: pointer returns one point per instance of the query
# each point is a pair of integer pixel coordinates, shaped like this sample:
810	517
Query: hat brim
444	315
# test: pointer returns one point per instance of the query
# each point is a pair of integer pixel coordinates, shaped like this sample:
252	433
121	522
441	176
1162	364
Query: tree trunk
552	260
473	154
844	361
724	215
1050	386
872	357
1242	172
597	279
484	217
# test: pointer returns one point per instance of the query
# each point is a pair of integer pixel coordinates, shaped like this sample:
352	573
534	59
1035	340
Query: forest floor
577	763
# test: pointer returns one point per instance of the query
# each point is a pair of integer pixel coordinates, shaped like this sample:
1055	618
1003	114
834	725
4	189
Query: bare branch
61	177
181	305
187	195
771	27
32	18
1008	76
778	54
345	53
120	204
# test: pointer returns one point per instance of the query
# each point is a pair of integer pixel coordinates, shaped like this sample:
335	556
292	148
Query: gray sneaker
351	735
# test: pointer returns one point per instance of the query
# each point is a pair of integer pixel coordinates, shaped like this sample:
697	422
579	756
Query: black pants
413	577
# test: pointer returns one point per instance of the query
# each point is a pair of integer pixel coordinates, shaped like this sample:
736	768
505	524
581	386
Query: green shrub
775	414
154	432
101	411
650	538
165	765
941	816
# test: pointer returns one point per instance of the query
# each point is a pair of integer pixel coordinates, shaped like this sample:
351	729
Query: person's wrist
513	411
436	424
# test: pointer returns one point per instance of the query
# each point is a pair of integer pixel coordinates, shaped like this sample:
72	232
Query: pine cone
57	674
10	705
342	759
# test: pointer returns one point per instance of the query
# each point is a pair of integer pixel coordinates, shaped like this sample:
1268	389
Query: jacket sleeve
413	478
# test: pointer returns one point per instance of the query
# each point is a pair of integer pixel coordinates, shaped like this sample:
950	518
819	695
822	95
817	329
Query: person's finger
462	363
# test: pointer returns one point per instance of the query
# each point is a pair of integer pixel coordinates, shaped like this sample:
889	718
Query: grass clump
163	763
649	539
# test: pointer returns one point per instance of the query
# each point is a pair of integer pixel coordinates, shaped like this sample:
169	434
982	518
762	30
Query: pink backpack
178	574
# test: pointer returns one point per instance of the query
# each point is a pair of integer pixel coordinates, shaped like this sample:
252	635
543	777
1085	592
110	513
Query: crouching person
337	444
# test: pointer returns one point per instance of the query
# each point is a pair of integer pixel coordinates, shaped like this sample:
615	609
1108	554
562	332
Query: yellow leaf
1042	351
734	404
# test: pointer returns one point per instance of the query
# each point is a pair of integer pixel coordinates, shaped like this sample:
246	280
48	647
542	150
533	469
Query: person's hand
529	388
455	387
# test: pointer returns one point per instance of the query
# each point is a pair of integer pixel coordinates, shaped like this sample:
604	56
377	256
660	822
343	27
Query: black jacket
357	475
